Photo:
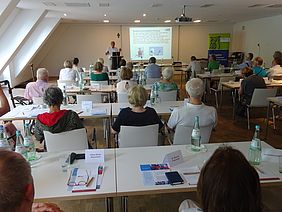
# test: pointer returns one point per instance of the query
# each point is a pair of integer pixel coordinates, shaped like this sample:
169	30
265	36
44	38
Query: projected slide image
156	51
146	42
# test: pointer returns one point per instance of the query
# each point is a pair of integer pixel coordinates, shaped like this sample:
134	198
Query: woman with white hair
166	83
105	68
195	107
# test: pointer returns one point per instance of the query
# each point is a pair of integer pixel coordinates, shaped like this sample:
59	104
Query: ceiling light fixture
106	21
137	21
105	15
167	21
144	14
65	14
197	21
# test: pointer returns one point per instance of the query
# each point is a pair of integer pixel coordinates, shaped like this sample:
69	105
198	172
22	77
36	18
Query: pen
88	183
257	168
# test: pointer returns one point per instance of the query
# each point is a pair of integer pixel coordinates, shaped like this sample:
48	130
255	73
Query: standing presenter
112	49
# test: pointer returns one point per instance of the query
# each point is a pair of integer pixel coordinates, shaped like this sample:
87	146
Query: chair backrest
131	136
182	134
122	97
37	100
95	97
66	141
168	95
260	95
62	83
150	81
105	82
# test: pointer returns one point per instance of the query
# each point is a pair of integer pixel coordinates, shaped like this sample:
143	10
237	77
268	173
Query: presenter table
51	182
128	162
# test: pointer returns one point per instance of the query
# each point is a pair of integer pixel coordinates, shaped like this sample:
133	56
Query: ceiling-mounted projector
183	17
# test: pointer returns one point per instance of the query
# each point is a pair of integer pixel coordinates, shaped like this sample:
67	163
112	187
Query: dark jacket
56	122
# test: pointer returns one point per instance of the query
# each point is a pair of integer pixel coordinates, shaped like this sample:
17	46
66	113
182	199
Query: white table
162	108
51	182
30	112
128	161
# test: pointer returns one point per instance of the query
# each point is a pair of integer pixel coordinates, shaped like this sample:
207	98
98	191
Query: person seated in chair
137	115
126	83
56	120
166	83
153	70
227	182
195	107
213	64
248	62
276	69
257	69
98	74
67	73
194	68
17	187
36	89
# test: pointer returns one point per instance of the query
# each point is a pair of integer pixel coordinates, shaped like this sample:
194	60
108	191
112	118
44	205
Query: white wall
267	32
89	42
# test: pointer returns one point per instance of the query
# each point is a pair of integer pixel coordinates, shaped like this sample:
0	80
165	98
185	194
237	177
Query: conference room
123	109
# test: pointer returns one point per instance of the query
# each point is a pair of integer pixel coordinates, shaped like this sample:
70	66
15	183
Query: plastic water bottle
4	144
255	148
81	84
19	145
65	98
196	136
152	95
29	144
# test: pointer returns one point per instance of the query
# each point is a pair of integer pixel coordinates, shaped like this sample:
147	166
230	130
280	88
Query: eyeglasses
79	180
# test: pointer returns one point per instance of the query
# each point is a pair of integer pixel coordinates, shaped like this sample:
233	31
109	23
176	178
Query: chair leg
216	99
273	117
248	117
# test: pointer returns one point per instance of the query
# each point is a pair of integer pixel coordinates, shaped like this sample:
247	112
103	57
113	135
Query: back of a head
277	54
152	60
137	96
213	57
259	61
195	88
228	183
101	60
193	58
278	61
251	55
126	73
75	61
122	62
53	96
68	64
167	73
129	65
14	178
247	71
42	74
98	67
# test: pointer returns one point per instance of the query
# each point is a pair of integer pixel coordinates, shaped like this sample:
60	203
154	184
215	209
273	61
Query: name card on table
86	106
174	158
94	156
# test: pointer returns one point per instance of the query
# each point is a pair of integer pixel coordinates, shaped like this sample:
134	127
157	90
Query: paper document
154	174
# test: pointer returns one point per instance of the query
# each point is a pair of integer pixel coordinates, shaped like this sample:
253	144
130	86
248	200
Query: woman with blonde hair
67	73
98	75
137	114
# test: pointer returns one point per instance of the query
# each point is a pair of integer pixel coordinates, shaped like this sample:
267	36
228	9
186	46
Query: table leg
109	204
267	120
221	93
181	76
124	202
234	102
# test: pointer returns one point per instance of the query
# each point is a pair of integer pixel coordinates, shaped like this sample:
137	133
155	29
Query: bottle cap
18	132
257	127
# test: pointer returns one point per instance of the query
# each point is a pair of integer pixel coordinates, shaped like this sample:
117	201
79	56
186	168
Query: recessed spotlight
106	21
144	14
105	15
167	21
197	21
137	21
65	14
